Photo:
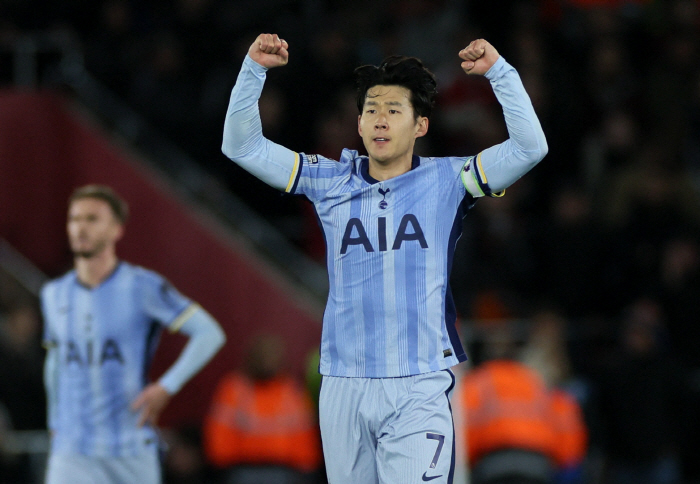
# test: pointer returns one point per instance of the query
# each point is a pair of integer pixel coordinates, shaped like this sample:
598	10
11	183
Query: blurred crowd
597	250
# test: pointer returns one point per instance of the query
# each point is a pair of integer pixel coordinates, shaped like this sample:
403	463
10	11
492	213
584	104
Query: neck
385	170
93	270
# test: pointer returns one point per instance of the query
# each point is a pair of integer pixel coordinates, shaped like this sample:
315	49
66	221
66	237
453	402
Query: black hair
399	70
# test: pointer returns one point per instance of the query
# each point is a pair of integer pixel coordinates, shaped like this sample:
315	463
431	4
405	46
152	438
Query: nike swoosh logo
426	478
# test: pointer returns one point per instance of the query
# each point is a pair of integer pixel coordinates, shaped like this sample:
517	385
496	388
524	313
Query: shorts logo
441	441
313	159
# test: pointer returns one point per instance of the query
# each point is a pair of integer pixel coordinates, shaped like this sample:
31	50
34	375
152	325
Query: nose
381	123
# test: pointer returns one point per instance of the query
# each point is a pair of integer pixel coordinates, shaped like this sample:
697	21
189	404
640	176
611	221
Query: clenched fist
478	57
269	51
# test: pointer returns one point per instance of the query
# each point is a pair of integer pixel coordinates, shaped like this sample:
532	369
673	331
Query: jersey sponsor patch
313	159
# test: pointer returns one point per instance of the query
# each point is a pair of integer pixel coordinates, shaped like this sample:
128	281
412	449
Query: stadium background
604	232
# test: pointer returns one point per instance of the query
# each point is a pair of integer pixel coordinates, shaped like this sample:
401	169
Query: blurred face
92	227
387	124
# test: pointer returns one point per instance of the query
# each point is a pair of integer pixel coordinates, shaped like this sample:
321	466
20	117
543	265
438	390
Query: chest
408	211
96	327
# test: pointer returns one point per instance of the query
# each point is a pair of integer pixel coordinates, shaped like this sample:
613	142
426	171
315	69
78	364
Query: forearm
526	145
243	140
205	339
51	384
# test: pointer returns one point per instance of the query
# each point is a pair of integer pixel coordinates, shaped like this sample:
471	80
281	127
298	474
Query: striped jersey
389	243
389	253
105	338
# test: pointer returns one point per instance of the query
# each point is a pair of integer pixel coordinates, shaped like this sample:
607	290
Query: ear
359	126
118	232
422	126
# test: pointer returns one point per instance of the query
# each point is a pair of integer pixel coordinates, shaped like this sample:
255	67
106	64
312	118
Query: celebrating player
391	221
102	323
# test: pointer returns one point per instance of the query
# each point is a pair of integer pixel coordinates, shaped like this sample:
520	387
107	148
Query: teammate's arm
51	362
205	339
499	166
51	383
243	140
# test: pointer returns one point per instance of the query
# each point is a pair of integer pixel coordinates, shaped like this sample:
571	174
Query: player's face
92	227
387	124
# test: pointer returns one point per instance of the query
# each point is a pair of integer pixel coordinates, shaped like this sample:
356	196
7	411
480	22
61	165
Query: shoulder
141	274
50	287
347	159
454	163
232	384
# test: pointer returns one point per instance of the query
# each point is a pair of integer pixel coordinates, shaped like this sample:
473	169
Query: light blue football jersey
105	338
389	252
390	244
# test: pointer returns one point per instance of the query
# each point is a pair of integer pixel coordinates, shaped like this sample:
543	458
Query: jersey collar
102	283
364	168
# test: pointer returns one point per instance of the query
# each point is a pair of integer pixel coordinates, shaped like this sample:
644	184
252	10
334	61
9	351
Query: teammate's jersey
389	244
105	338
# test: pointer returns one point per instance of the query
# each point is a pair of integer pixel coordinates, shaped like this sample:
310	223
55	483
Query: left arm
501	165
205	339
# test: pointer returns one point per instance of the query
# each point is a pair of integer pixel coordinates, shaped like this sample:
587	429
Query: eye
371	111
393	111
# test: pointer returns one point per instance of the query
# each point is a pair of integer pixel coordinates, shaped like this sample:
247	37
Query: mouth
381	139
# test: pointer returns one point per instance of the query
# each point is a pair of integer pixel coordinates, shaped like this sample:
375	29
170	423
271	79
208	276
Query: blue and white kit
100	343
390	244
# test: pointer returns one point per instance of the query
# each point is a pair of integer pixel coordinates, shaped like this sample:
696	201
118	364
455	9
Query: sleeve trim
291	185
482	173
177	323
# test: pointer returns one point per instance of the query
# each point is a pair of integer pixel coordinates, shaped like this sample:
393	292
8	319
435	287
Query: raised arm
499	166
243	141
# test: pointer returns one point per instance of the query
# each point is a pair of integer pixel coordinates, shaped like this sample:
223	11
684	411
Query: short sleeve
317	174
163	303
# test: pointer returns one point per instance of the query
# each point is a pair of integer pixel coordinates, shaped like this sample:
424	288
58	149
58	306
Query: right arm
51	384
243	140
51	364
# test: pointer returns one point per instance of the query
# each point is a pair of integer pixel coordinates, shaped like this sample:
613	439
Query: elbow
220	338
228	148
233	142
536	155
544	147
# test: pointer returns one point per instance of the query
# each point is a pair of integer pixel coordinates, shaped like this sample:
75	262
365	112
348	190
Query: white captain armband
475	181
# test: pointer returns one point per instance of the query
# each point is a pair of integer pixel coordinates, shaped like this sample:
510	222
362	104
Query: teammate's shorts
388	430
82	469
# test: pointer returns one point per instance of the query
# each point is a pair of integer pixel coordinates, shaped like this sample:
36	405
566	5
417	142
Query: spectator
21	369
517	432
642	402
261	426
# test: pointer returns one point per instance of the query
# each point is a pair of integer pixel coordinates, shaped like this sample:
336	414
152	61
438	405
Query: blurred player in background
102	325
391	221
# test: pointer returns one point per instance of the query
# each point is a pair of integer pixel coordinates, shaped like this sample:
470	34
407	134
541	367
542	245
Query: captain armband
475	181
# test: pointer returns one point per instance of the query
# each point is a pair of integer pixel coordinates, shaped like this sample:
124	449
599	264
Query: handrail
21	268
